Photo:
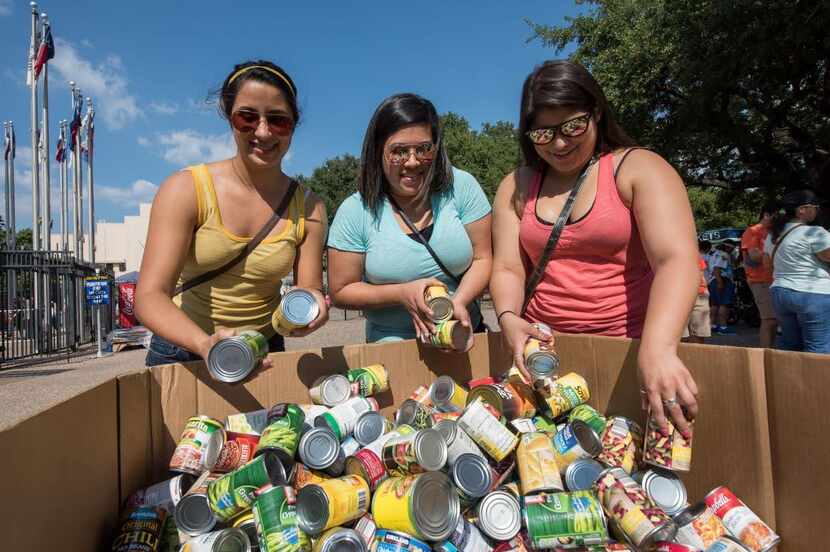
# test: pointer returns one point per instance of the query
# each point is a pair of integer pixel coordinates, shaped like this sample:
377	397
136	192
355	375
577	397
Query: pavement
27	390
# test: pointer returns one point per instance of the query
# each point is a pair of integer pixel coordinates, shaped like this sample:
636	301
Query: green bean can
282	434
565	520
590	416
235	492
275	514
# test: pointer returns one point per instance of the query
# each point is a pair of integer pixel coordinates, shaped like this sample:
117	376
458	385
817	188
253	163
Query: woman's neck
414	206
256	178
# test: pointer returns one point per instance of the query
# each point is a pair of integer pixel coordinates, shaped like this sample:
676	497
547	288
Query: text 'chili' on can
140	530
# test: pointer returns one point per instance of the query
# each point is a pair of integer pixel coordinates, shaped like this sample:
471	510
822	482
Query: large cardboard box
761	431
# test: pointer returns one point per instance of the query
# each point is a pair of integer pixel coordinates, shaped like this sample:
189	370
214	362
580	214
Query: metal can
582	474
193	513
393	541
621	443
235	492
536	460
510	399
741	522
247	524
499	515
330	390
164	495
342	418
367	462
458	442
565	520
421	395
140	530
563	394
415	414
223	540
370	426
238	450
424	450
319	448
487	431
590	416
366	528
303	475
232	359
199	446
728	543
340	539
297	309
664	488
285	425
275	514
425	506
698	526
332	503
473	478
466	537
576	440
634	514
349	446
665	546
672	452
251	423
451	334
438	300
447	395
369	380
541	359
438	416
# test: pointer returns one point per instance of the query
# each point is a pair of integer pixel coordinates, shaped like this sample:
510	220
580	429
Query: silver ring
643	391
670	402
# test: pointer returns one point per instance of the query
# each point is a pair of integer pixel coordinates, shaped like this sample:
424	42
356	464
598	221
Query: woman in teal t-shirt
375	262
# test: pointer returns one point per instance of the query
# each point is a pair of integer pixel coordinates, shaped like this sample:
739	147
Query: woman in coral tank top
626	261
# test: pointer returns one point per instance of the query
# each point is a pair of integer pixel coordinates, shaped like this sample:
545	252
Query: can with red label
238	450
698	526
666	546
672	452
741	521
425	450
367	462
199	446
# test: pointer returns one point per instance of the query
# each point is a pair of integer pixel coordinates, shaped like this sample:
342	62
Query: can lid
587	437
299	307
430	449
488	393
664	532
471	474
581	474
459	336
499	515
406	413
442	389
335	389
543	363
231	360
213	448
344	540
435	506
448	429
369	426
312	509
318	448
665	489
441	308
328	421
193	515
686	516
232	540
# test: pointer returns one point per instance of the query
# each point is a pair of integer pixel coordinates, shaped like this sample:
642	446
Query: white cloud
188	147
140	191
106	83
142	141
86	43
5	7
163	108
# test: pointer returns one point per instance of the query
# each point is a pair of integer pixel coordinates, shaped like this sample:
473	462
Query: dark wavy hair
563	83
226	94
393	114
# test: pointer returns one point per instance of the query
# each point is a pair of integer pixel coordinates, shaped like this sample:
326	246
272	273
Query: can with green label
232	359
275	514
565	520
369	380
590	416
282	434
235	492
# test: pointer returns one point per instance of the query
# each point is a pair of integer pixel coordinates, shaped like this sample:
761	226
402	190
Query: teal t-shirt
392	257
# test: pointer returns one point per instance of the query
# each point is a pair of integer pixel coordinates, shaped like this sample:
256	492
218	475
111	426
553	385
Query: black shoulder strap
778	243
250	246
553	239
622	160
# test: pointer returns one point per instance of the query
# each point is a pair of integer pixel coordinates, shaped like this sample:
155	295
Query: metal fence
43	308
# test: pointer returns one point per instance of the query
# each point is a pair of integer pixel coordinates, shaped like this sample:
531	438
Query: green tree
734	94
334	181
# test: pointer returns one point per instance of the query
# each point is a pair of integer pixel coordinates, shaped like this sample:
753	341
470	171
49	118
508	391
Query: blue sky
149	66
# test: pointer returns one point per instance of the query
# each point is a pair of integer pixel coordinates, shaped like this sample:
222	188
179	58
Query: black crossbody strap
553	239
250	246
778	243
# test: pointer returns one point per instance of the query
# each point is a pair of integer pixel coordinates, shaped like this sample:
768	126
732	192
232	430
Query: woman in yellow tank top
203	216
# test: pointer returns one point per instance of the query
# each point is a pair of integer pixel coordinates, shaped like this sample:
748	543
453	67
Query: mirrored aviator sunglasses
569	129
248	121
400	154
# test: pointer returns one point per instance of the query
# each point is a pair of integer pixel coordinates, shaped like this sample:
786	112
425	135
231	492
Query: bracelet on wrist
498	318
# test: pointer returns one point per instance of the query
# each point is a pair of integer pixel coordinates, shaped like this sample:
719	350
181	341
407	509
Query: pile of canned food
499	464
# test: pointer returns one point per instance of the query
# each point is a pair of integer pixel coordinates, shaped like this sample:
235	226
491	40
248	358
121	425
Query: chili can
499	515
672	452
424	450
425	506
275	514
741	522
199	446
140	530
621	443
438	300
331	503
563	394
330	390
415	414
285	425
487	431
164	495
297	309
235	492
232	359
223	540
565	520
393	541
369	380
450	334
536	460
341	419
340	539
238	450
576	440
447	395
698	526
193	514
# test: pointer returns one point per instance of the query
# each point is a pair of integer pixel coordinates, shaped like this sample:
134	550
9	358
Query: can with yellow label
563	394
438	300
330	503
536	460
425	506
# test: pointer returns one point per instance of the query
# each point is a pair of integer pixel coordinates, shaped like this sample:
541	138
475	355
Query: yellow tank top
244	296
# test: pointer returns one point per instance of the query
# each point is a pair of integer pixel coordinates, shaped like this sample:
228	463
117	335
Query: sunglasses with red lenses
248	121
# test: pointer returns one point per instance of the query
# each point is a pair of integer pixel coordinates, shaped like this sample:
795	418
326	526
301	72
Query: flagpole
90	135
35	142
76	181
62	174
46	187
11	222
6	181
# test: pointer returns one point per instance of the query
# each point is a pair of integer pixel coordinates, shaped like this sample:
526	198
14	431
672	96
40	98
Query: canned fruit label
625	501
487	431
369	380
565	520
621	444
275	515
740	520
235	492
189	456
237	451
536	460
283	431
140	530
567	449
257	342
391	541
250	423
702	530
563	394
673	452
590	416
348	498
392	505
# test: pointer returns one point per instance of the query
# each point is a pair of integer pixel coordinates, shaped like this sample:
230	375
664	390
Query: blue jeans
804	318
162	351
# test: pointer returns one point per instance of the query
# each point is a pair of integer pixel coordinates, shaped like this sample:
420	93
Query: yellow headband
274	71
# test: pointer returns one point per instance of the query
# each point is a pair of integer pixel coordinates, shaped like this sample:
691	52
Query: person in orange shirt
759	275
698	327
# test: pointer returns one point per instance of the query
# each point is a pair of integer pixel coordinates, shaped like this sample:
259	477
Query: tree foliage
334	181
735	94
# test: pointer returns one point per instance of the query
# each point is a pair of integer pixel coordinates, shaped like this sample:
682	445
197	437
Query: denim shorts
162	351
725	297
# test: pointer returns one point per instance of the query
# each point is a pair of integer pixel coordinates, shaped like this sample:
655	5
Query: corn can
331	503
447	395
235	492
590	416
741	522
140	530
297	309
285	425
672	452
425	505
565	520
275	514
199	446
621	443
536	460
487	431
369	380
438	300
450	334
563	394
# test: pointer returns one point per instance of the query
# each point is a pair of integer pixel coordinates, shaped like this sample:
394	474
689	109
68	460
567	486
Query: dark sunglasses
400	153
248	121
570	129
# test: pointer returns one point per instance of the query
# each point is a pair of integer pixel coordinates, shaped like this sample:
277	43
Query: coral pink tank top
598	278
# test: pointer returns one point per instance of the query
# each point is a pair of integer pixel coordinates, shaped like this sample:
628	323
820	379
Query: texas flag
45	52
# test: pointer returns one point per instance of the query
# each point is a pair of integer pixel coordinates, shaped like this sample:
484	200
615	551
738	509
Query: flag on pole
89	125
14	144
75	125
30	60
45	52
7	144
60	154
